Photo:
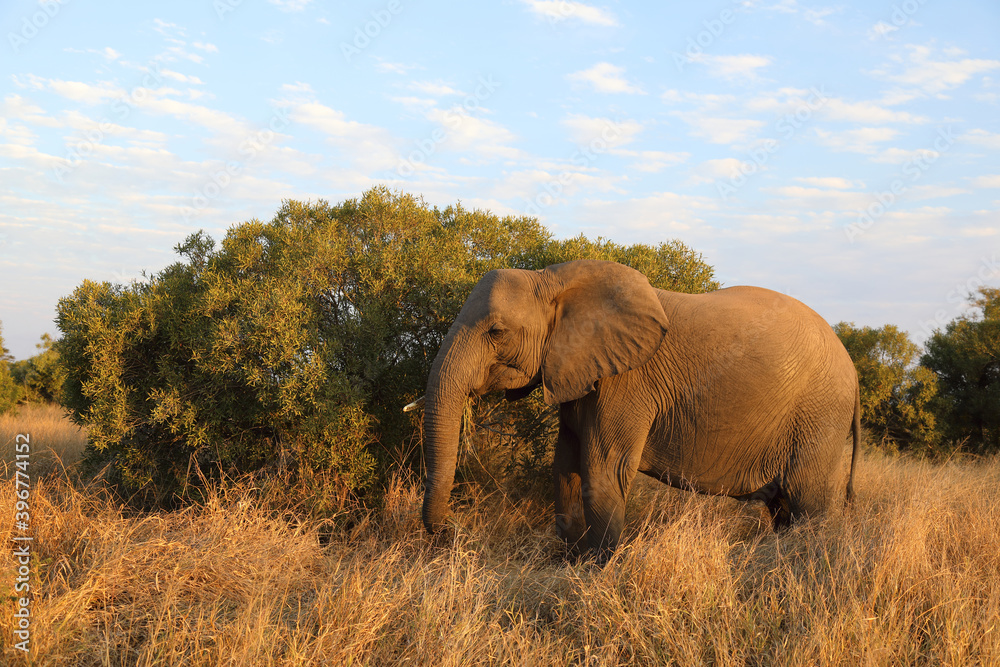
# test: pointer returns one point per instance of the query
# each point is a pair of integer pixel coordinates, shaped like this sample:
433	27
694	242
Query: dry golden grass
910	575
52	435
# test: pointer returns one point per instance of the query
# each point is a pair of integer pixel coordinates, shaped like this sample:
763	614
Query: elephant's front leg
571	525
608	469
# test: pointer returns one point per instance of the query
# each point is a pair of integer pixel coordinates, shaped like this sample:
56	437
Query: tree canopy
10	392
966	358
40	376
295	342
896	394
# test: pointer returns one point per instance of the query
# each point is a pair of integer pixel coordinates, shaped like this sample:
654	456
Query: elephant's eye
496	330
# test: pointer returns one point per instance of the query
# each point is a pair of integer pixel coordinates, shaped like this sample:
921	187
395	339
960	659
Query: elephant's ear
607	320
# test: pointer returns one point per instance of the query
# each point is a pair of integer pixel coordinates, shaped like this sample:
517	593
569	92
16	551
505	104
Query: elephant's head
564	327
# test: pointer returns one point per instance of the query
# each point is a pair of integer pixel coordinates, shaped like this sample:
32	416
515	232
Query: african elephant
741	392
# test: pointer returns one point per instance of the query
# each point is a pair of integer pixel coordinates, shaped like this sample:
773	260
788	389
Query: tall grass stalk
910	574
53	437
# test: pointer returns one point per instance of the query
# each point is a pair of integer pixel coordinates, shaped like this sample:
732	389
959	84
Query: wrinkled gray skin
742	392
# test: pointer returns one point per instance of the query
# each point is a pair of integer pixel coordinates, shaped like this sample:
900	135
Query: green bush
41	376
896	394
296	342
966	358
10	392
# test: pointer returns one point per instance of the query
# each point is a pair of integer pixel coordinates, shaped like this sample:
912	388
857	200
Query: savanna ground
909	575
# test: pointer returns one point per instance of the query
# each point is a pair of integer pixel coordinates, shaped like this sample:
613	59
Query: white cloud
982	139
900	155
467	133
29	155
183	78
79	91
206	47
861	140
560	10
395	68
705	101
291	5
710	171
83	124
605	78
980	231
553	184
920	192
801	198
805	103
909	226
273	37
880	30
721	130
435	88
586	129
16	134
836	108
988	181
830	182
652	161
220	122
413	102
297	87
662	212
178	51
816	16
329	121
163	27
923	73
742	66
107	52
15	107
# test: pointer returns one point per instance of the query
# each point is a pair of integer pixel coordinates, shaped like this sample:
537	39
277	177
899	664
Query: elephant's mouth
504	376
521	392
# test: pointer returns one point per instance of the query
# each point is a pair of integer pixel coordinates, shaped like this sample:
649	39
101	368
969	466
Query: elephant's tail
856	433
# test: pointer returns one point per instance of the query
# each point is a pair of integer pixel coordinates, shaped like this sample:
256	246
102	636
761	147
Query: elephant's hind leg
811	476
772	495
781	513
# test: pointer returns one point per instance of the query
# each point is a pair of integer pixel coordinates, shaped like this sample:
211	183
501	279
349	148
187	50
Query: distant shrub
40	376
896	393
296	342
966	357
10	392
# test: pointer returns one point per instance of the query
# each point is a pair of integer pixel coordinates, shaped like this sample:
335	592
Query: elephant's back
750	370
760	328
746	310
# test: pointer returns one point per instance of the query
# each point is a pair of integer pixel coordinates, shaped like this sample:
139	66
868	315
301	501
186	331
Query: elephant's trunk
447	389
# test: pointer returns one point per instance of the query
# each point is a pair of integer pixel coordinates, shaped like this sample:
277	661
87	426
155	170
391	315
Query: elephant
742	392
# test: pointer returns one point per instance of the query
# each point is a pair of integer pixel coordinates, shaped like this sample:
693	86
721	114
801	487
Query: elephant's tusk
419	403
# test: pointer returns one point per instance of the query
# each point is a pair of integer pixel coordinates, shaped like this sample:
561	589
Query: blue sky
847	153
